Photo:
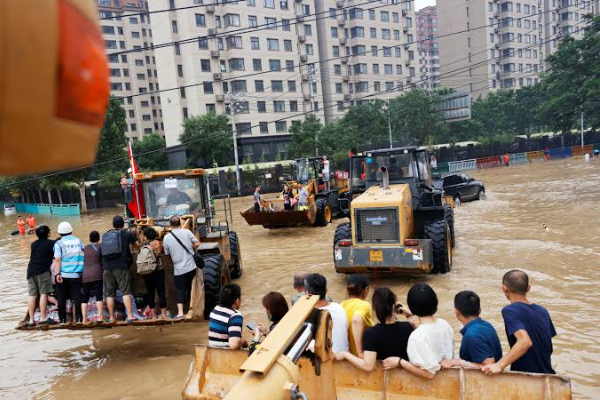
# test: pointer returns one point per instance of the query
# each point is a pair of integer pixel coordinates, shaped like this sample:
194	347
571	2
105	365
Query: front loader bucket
279	218
216	371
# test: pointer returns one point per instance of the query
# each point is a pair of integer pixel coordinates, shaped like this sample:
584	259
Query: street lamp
235	106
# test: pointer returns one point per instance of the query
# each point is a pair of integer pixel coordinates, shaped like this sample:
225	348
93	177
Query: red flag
136	207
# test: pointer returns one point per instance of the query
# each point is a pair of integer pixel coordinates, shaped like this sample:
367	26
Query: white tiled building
429	57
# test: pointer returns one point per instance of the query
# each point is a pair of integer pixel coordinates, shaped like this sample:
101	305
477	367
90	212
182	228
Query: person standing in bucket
116	257
39	279
257	199
68	264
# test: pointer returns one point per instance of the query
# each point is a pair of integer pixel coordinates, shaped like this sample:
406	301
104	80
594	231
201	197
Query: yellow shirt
361	307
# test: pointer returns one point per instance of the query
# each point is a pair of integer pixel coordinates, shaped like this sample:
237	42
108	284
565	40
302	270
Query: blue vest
70	251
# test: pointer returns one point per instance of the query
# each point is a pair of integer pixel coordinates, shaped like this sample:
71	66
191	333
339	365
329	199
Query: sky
423	3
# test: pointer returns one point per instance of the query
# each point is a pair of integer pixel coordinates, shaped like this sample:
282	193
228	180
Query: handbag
197	258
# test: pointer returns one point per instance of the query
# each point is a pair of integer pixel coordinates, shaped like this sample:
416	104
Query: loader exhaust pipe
385	178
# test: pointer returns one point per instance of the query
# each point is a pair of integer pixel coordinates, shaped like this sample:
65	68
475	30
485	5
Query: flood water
503	232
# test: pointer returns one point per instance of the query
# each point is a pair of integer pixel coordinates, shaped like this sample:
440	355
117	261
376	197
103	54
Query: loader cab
311	169
407	165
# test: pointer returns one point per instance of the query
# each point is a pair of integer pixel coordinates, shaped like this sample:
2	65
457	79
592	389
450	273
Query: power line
117	17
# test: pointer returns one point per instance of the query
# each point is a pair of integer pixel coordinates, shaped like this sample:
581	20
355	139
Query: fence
534	156
579	151
563	152
518	158
489	162
457	166
58	209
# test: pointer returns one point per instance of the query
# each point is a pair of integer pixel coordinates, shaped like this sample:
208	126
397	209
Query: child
155	281
92	276
21	226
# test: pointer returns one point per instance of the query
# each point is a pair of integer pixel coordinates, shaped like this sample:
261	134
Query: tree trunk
82	197
49	191
26	192
59	197
41	195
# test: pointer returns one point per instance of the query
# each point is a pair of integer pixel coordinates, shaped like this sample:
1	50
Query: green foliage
112	138
304	137
414	118
211	140
263	158
155	161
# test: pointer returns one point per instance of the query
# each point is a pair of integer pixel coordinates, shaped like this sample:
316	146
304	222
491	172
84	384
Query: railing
518	158
465	165
579	151
562	152
489	162
534	156
55	209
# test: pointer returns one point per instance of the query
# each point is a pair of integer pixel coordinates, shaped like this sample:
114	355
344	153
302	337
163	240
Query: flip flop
178	317
29	324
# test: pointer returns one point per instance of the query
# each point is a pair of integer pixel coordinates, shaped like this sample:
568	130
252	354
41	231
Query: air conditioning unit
496	30
407	63
210	8
303	58
341	21
347	96
339	3
299	18
217	76
220	97
497	45
305	77
404	12
345	78
306	96
302	38
343	40
215	53
344	60
498	75
496	14
406	46
212	31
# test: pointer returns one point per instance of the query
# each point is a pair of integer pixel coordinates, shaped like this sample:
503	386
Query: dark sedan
462	188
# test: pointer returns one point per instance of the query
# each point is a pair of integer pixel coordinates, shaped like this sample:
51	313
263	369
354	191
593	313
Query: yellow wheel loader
401	223
322	204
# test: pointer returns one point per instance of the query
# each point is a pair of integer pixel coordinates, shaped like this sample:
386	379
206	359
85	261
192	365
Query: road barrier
489	162
518	158
465	165
579	151
534	156
562	152
47	209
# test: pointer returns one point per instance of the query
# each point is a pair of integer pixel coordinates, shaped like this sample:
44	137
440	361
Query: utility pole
389	122
581	116
234	103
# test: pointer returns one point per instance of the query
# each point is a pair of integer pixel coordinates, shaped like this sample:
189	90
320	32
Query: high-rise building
502	44
132	72
263	57
429	57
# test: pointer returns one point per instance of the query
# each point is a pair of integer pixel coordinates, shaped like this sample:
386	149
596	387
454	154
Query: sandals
48	321
29	324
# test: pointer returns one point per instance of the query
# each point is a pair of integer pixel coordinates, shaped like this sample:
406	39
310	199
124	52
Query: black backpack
111	244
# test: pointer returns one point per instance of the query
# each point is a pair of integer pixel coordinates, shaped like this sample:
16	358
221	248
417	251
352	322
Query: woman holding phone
389	338
275	308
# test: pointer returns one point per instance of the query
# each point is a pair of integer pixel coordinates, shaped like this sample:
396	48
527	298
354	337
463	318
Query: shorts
95	289
40	284
117	279
326	176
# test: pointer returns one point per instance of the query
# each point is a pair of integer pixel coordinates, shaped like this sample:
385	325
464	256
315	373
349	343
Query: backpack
111	244
146	260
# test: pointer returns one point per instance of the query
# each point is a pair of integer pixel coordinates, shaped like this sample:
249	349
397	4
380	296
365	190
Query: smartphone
251	326
398	308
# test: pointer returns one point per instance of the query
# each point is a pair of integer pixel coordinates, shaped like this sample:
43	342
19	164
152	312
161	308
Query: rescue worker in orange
507	159
21	226
30	221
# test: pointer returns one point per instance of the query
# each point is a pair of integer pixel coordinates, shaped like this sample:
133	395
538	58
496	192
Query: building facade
509	51
258	62
132	73
429	57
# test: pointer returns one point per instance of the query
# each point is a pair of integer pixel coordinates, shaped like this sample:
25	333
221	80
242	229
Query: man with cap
68	264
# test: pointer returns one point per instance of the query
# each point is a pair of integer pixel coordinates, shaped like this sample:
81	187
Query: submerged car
461	187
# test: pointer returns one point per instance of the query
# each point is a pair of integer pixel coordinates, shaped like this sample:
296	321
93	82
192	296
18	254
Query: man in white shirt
181	244
316	284
326	175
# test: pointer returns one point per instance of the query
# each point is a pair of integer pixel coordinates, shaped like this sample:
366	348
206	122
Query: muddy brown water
503	232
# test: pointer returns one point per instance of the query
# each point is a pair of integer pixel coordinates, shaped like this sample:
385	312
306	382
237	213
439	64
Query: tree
155	161
414	117
209	140
304	137
112	138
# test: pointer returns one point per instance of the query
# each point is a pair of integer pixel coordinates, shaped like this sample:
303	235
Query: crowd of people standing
413	338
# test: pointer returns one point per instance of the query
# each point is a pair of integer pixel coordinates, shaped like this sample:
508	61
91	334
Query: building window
293	106
270	23
203	43
234	42
279	106
277	86
291	86
269	3
273	44
334	32
307	30
236	64
336	51
309	49
257	64
261	106
238	86
337	69
285	25
254	43
208	87
252	21
274	65
264	127
385	34
281	126
231	20
259	86
133	127
287	45
205	65
357	31
338	88
200	20
174	26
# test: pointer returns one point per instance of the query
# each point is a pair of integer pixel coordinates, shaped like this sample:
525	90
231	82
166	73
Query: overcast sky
423	3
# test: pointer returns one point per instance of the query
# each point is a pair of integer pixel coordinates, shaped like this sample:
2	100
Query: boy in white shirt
431	342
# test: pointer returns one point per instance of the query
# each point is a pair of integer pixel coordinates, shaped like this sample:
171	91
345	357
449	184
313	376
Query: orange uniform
31	221
21	225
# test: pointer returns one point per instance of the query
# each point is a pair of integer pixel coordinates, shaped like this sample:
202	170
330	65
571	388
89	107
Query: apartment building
132	73
260	59
565	17
429	57
503	44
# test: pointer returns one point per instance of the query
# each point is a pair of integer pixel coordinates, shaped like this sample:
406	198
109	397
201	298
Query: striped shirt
70	251
224	323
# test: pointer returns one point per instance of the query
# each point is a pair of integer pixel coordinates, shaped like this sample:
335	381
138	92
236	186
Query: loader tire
342	232
439	233
215	276
323	212
449	217
236	256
